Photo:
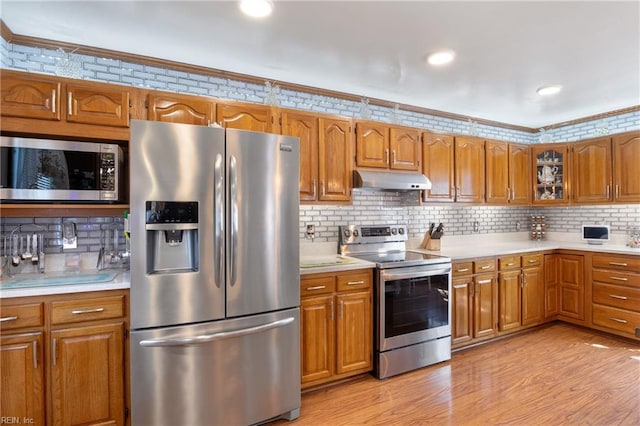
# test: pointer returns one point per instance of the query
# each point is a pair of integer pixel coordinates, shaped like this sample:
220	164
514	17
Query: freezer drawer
232	372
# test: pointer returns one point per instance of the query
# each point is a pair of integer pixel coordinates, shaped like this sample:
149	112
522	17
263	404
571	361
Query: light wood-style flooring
558	375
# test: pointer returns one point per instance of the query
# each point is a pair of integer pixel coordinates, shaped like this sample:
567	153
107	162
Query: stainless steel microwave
46	170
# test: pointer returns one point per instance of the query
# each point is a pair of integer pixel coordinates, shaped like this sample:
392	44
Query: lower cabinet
521	289
63	358
336	326
570	270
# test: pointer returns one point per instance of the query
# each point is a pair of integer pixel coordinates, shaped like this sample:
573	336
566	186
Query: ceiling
505	50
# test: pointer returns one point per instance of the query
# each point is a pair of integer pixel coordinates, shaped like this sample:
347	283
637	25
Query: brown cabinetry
30	96
550	166
438	166
82	380
616	293
521	291
570	275
469	170
246	116
591	164
336	326
551	286
475	302
334	159
175	108
626	157
387	147
305	127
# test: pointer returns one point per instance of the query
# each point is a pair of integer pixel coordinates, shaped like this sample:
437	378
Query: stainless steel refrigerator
214	275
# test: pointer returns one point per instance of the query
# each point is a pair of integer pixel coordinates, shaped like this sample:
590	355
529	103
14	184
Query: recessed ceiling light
441	57
256	8
548	90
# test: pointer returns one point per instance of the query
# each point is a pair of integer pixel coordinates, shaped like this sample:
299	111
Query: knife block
429	243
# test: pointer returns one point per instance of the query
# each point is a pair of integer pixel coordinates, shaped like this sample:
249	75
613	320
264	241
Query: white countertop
121	281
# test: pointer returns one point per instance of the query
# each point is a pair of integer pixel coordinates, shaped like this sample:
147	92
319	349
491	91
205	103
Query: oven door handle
403	273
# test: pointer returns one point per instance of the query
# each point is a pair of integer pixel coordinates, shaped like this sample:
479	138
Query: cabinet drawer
18	316
70	311
508	262
484	265
617	296
311	286
617	263
531	260
354	281
617	319
617	278
463	268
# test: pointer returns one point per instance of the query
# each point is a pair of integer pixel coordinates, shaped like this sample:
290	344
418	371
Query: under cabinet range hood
393	181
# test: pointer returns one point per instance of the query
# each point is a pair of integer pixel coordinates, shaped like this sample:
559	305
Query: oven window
31	168
416	304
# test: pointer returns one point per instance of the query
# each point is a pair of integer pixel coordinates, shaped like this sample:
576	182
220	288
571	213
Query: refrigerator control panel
171	212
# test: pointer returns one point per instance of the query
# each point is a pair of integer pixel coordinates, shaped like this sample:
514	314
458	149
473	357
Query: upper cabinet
65	107
438	166
334	159
551	169
246	116
387	147
626	161
507	173
304	126
469	169
591	165
184	109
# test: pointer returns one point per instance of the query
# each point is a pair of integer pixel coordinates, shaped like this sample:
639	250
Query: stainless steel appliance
214	276
412	310
56	170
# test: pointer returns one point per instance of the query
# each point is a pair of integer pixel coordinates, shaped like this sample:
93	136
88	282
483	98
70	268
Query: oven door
413	305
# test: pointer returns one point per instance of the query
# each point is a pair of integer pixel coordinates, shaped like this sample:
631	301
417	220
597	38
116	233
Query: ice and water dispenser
172	237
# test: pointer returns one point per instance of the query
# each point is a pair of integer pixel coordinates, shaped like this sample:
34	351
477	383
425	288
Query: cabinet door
469	169
372	145
532	295
245	116
317	338
571	284
405	146
510	303
497	168
29	97
485	315
519	174
550	173
462	310
626	158
592	171
21	369
437	166
551	286
180	109
353	332
305	127
334	160
87	376
97	106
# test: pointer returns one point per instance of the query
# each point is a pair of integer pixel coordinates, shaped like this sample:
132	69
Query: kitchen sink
44	280
319	261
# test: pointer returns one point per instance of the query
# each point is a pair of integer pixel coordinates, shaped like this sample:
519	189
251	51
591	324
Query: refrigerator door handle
233	195
208	338
218	208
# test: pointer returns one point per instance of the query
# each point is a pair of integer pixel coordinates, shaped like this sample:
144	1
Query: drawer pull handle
510	264
35	354
317	287
618	264
621	321
87	311
485	267
70	103
619	278
484	281
8	319
54	347
462	270
53	101
533	260
615	296
460	286
355	282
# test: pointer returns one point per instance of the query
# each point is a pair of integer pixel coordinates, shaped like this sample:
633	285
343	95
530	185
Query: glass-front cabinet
550	164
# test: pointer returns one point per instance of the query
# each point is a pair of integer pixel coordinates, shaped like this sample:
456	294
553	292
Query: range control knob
355	232
401	231
394	231
347	233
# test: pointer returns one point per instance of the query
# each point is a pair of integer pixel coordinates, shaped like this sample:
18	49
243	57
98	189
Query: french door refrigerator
214	275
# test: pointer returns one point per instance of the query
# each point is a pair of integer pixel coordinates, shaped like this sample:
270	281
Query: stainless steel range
412	309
